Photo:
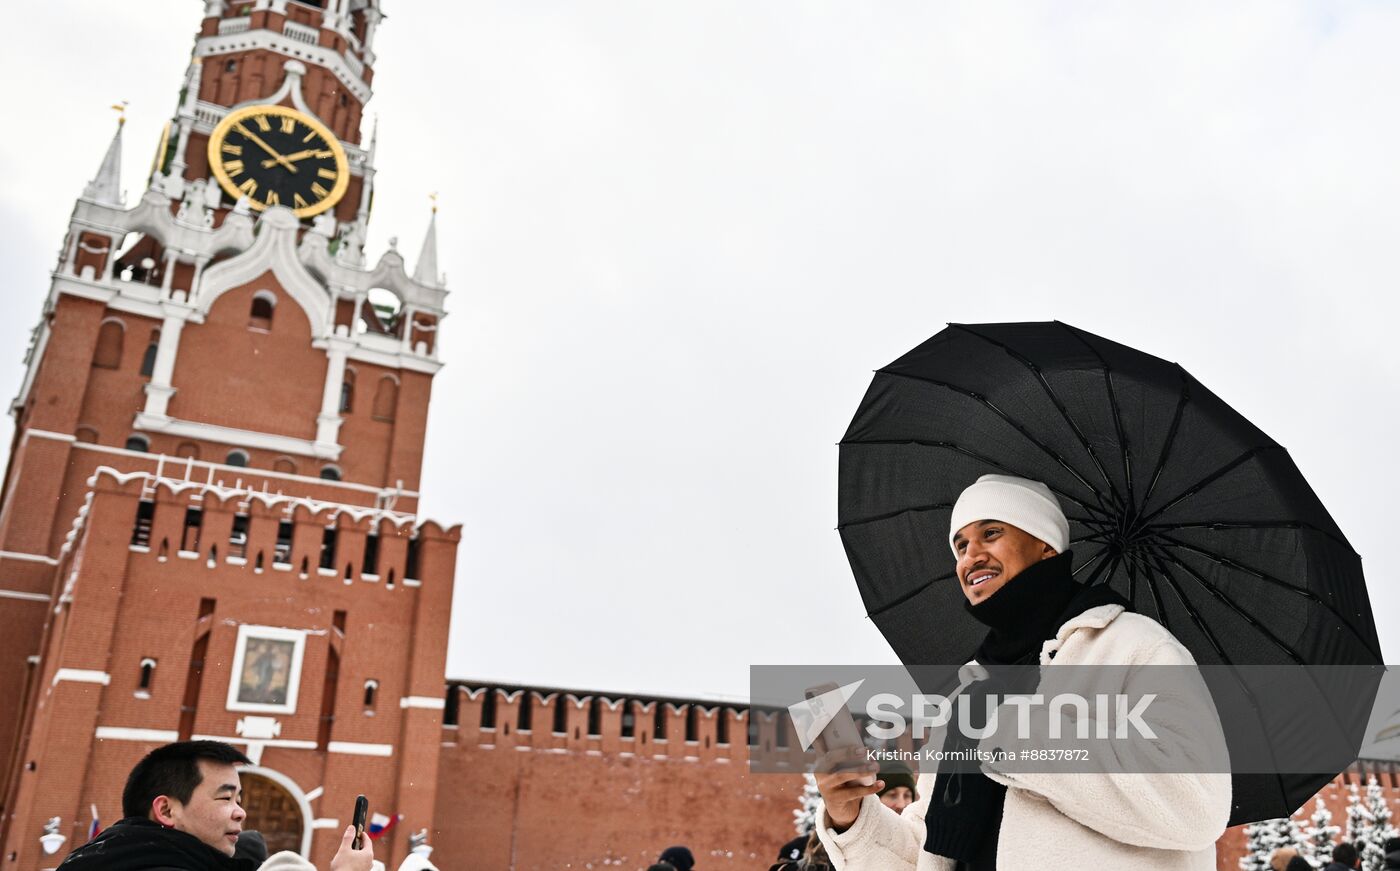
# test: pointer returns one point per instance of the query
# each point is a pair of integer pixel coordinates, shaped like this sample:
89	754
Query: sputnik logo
810	717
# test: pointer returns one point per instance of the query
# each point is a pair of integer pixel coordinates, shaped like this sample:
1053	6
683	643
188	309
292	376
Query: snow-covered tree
1358	816
1319	836
1263	838
805	817
1371	843
1256	856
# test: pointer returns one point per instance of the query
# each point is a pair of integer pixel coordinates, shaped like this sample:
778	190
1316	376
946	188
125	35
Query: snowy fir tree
1371	843
1255	858
1262	839
1358	817
805	817
1319	836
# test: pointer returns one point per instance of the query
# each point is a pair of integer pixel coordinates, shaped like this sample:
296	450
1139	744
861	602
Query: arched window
237	458
260	315
148	671
187	451
148	360
347	391
108	353
138	443
85	434
386	398
371	689
330	473
284	464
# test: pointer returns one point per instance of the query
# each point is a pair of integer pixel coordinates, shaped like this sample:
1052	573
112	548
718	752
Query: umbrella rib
967	452
1054	399
1167	445
1230	603
1277	582
988	404
1235	672
1341	729
1225	525
889	515
1095	558
909	595
1123	448
1211	479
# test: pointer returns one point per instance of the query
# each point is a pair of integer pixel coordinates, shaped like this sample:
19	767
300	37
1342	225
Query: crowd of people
1345	857
182	811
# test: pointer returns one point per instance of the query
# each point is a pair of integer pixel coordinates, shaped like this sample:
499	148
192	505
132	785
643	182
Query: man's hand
347	858
849	777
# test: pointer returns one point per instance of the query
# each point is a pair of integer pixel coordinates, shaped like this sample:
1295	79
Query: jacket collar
1094	618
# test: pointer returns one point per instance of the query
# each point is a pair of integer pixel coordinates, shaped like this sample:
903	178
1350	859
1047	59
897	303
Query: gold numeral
233	167
301	202
320	192
310	136
289	124
263	124
229	148
326	173
249	187
273	199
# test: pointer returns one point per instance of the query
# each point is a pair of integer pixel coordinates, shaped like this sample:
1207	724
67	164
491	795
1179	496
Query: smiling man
1011	542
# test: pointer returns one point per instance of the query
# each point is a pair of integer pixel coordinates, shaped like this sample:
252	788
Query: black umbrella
1202	521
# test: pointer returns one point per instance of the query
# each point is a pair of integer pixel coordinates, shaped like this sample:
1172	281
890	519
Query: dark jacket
136	844
1392	861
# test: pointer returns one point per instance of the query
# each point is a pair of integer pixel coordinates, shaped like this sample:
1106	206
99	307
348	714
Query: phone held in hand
361	811
840	730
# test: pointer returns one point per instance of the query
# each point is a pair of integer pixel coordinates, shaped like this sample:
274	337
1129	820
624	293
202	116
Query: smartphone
840	730
361	811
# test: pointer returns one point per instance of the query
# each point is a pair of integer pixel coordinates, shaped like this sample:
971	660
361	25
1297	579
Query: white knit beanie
1025	504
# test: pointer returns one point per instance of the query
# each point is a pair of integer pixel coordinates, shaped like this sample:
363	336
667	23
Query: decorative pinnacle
121	110
434	197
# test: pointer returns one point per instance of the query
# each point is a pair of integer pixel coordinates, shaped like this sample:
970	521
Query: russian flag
379	824
96	825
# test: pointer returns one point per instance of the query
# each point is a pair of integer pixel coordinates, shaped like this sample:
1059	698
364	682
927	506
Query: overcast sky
680	235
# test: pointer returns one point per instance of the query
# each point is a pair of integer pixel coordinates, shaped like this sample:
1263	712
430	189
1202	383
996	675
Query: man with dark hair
182	811
1344	858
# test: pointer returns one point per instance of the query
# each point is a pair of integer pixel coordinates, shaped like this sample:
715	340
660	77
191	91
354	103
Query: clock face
276	156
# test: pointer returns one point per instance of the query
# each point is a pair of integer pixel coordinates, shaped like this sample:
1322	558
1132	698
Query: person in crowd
899	790
1392	855
1010	540
792	850
1344	858
1280	858
679	858
181	812
661	866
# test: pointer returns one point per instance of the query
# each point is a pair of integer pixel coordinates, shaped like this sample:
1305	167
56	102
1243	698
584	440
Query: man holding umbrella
1010	540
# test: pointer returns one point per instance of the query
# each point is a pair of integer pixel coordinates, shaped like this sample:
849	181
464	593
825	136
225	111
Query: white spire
107	186
427	271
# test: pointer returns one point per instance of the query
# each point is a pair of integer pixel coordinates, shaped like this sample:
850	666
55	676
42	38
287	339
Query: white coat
1072	821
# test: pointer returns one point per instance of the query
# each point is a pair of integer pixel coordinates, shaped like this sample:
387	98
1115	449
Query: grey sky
681	235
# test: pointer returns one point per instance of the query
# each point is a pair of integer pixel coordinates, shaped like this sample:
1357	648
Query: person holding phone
1011	542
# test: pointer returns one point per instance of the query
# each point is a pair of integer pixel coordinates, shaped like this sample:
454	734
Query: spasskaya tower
209	525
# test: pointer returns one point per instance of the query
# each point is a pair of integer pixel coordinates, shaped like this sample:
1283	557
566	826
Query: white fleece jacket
1071	821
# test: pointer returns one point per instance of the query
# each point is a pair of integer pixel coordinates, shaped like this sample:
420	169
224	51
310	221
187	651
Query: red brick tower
209	521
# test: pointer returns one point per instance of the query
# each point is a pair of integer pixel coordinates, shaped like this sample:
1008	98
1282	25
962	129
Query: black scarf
964	813
137	844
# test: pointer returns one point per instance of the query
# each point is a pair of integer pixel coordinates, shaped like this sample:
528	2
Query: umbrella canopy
1196	516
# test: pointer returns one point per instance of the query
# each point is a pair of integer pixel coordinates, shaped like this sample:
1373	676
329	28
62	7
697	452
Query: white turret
107	186
426	269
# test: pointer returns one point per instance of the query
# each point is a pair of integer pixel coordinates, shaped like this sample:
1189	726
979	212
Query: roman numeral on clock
326	173
319	191
273	199
289	124
263	123
233	167
299	201
249	187
230	148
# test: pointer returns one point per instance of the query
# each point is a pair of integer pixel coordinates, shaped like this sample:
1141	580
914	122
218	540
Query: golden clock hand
276	158
301	155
